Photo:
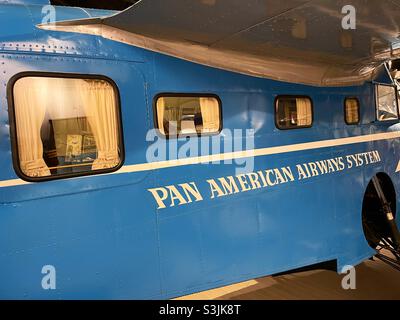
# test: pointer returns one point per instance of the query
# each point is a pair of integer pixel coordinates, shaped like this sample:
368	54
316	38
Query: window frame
293	96
13	128
186	95
358	111
376	85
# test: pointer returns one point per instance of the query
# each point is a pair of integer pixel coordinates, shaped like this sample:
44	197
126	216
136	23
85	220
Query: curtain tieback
35	168
106	160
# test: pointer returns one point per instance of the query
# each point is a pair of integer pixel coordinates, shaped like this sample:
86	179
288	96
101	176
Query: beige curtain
98	100
30	97
303	112
160	115
288	118
169	117
210	114
351	110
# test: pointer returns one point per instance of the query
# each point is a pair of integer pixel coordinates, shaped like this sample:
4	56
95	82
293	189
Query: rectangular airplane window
352	111
386	100
293	112
66	126
188	115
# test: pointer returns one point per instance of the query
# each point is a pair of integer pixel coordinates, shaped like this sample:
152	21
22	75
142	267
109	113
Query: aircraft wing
298	41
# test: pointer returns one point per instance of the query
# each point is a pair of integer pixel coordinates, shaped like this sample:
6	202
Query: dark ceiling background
97	4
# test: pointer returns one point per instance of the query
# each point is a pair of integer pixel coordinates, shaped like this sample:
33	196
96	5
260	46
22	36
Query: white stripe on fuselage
238	155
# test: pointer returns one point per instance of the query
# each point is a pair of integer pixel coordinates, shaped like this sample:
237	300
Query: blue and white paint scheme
105	234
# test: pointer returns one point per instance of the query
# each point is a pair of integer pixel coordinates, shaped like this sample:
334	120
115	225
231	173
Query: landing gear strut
385	235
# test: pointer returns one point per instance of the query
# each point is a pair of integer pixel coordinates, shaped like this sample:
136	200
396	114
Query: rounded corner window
386	102
65	126
187	115
352	111
293	112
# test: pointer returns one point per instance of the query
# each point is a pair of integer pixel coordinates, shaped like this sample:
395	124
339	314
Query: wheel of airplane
379	219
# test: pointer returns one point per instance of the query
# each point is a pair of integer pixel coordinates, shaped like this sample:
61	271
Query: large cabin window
386	103
66	126
293	112
352	111
188	115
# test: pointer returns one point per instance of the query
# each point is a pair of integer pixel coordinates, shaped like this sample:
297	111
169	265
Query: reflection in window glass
65	126
352	111
387	103
293	112
182	115
397	83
